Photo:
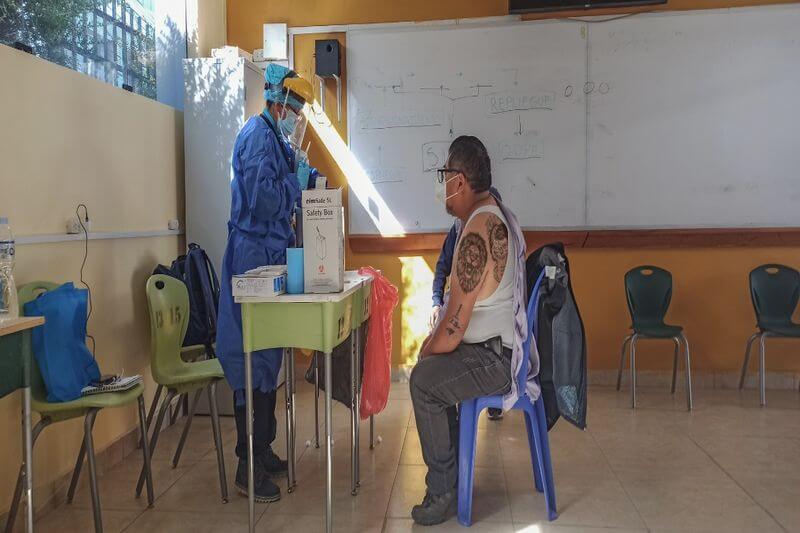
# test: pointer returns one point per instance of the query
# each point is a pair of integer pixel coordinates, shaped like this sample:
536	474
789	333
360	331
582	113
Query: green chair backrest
168	304
649	291
775	290
27	293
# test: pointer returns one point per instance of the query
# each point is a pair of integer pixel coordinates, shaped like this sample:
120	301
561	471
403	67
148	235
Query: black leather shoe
265	490
435	509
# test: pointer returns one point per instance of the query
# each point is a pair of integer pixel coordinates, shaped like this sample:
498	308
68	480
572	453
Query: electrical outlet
174	224
74	226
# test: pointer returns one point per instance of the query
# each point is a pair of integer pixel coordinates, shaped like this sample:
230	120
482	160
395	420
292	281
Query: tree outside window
113	40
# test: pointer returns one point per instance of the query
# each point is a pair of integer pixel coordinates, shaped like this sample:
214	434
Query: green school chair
649	291
87	407
775	290
168	306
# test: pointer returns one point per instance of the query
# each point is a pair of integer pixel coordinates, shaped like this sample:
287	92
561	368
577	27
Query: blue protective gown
264	193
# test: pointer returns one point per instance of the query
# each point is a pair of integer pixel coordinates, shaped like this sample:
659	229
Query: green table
317	322
15	373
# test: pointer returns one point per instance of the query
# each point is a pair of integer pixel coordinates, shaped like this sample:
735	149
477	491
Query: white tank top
494	315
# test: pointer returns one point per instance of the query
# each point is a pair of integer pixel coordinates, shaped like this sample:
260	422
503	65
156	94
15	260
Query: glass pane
112	40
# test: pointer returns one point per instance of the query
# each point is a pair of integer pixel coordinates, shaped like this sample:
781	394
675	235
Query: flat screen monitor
529	6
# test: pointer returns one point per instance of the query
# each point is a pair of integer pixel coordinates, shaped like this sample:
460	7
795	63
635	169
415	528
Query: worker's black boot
273	465
265	490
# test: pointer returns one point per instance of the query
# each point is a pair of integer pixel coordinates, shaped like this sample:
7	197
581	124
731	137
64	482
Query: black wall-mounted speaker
327	61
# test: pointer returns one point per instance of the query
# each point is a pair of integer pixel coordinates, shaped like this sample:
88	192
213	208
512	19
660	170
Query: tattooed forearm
498	245
472	257
454	324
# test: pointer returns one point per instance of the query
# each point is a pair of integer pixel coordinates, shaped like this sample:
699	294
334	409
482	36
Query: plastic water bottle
8	290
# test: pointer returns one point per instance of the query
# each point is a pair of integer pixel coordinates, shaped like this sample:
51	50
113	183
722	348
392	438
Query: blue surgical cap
274	90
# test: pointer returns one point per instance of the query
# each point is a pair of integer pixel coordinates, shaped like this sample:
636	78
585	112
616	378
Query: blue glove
302	174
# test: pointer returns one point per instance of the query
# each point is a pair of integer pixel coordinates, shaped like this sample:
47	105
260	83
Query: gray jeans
438	384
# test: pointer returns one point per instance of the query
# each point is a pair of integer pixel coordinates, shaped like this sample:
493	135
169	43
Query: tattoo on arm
472	257
453	324
498	245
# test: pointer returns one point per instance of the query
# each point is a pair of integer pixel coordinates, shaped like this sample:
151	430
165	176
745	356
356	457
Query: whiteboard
694	119
668	120
517	87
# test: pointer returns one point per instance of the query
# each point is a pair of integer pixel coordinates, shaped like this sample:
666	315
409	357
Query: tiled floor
728	466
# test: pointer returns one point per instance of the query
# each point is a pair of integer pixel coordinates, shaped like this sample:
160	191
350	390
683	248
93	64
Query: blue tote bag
66	364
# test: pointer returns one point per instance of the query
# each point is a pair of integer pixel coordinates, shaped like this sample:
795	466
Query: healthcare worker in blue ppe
269	171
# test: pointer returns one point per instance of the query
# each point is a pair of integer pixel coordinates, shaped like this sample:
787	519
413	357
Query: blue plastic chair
535	423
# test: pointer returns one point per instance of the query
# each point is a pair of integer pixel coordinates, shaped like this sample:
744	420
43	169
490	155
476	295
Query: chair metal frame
86	452
631	339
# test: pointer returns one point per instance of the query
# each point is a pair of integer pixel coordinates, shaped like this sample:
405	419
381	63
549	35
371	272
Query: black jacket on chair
561	339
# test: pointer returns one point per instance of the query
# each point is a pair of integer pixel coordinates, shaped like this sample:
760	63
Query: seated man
443	268
477	344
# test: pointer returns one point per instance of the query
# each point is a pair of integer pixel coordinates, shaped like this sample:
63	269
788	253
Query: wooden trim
657	238
571	239
15	325
415	242
688	238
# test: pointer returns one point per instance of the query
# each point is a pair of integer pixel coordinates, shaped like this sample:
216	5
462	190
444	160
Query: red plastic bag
378	354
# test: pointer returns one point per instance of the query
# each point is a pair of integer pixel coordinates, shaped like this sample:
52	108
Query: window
112	40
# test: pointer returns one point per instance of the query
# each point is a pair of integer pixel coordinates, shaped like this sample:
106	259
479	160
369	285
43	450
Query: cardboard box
323	240
259	285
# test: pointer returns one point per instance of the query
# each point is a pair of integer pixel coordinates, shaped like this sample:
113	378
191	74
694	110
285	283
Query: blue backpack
197	272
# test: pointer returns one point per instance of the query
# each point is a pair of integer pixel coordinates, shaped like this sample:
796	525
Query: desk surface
14	325
352	282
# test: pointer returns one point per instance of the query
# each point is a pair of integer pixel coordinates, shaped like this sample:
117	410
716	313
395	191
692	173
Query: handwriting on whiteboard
386	174
505	102
519	147
434	155
386	119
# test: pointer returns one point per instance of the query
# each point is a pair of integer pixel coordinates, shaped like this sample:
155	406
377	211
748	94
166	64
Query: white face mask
440	190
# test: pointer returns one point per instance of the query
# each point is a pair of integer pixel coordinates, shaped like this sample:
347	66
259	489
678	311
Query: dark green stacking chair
774	290
649	291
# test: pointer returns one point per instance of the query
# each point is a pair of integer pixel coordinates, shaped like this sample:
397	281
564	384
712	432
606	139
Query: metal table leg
316	399
251	501
290	416
353	415
358	406
27	440
371	432
328	444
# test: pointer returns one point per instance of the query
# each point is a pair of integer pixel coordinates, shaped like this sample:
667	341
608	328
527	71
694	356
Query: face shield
293	121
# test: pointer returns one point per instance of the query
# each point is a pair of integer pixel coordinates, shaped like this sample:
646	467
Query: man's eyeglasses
442	173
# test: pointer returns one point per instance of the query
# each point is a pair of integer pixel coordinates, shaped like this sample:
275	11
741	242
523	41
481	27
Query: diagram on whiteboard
494	83
599	128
